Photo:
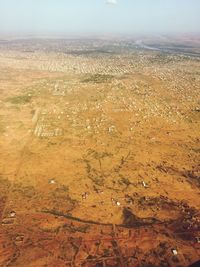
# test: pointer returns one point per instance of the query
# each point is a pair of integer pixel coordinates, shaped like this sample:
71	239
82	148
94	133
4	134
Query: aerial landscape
100	150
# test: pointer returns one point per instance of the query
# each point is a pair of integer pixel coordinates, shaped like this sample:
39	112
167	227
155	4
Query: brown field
99	154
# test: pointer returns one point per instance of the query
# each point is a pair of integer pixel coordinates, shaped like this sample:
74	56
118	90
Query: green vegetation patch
98	78
19	100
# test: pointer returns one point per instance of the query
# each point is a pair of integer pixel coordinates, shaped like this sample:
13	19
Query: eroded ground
99	156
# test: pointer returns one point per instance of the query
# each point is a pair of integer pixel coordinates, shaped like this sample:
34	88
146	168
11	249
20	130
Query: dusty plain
100	152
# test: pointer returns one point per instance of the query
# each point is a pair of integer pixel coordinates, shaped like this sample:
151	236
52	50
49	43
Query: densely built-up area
100	152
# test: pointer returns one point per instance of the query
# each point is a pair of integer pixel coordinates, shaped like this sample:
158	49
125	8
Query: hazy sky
99	16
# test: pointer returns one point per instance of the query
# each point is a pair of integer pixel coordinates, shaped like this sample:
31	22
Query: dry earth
99	158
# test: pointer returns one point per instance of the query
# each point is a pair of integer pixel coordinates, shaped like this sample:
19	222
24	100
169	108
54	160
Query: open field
100	152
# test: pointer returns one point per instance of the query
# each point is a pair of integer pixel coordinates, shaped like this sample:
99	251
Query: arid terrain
100	152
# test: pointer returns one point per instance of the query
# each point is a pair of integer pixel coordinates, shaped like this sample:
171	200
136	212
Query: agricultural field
100	153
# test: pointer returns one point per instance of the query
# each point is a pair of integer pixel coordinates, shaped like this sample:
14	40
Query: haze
75	17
